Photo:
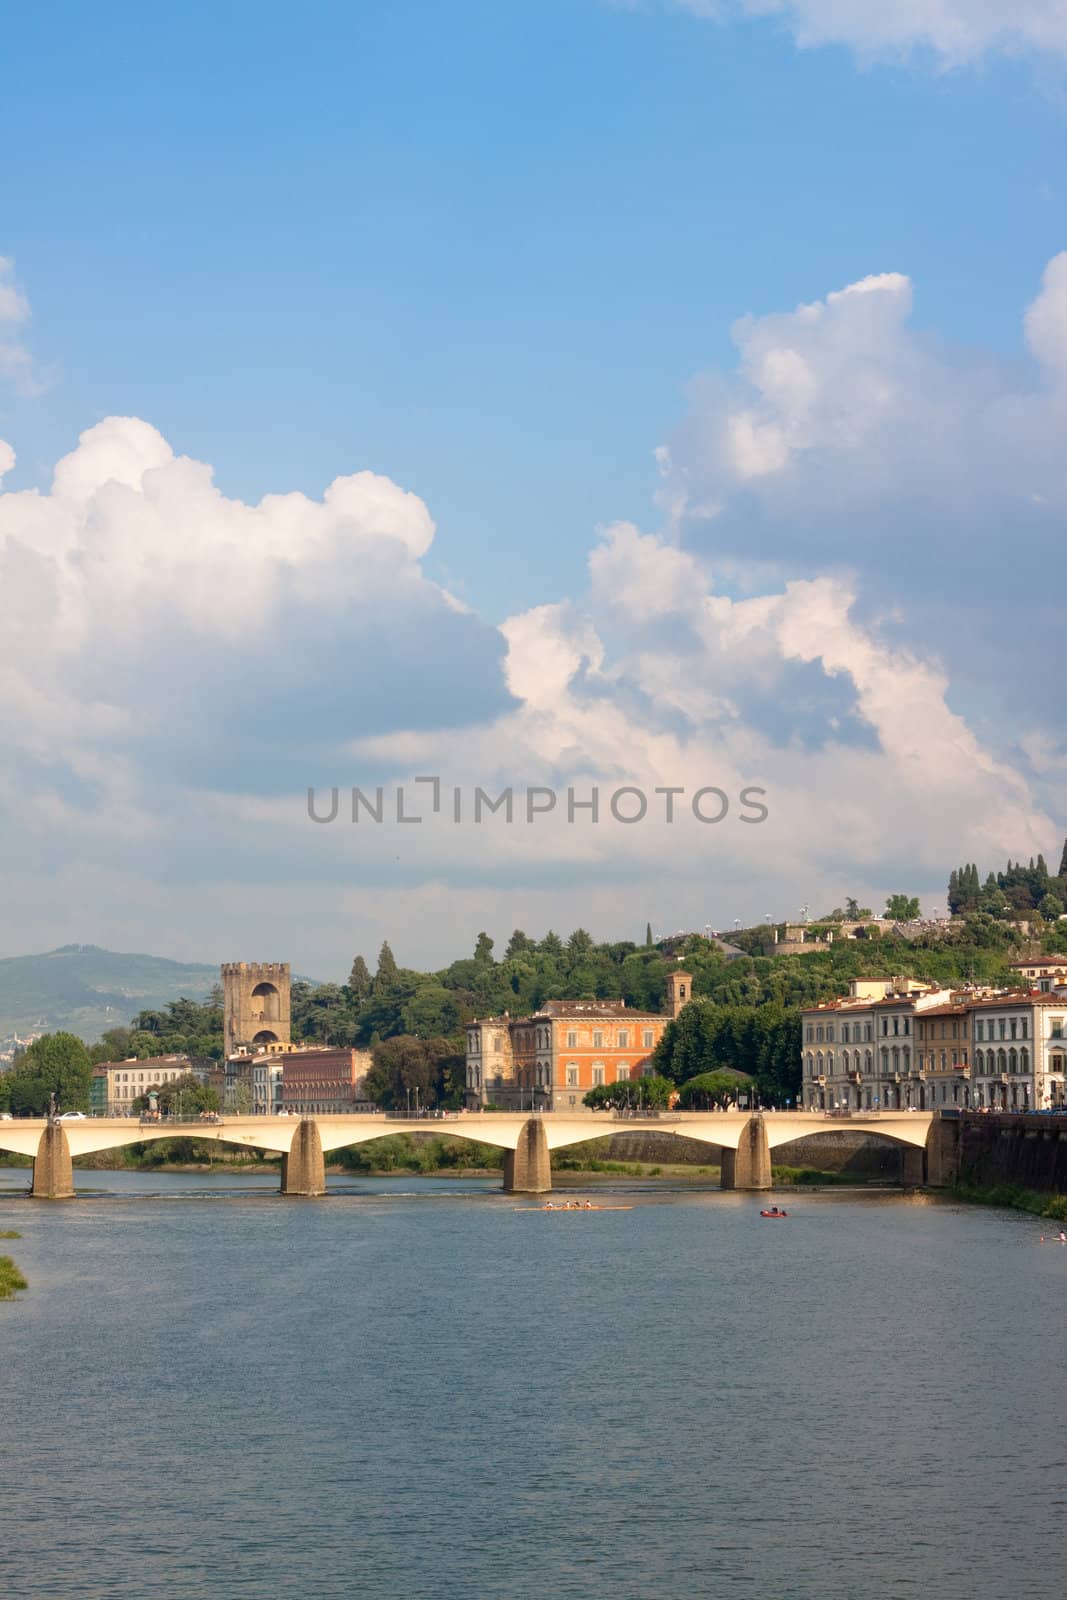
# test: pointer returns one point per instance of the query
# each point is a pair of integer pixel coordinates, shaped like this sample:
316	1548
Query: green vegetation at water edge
809	1177
10	1233
1012	1197
398	1152
11	1279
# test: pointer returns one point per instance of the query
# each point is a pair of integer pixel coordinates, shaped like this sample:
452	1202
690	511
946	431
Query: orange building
550	1060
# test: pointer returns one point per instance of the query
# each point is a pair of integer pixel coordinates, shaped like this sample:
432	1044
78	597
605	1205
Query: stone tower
255	996
679	991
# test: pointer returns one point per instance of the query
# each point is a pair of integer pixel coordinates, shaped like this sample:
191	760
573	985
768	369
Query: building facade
1044	973
324	1081
931	1049
116	1085
859	1052
550	1060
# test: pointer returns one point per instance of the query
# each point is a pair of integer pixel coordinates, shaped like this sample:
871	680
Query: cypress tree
648	925
359	979
385	977
1063	861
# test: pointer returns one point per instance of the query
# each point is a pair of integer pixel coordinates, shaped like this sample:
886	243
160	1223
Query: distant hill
83	989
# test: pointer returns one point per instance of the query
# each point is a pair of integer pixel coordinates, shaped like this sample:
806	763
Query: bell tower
679	991
255	999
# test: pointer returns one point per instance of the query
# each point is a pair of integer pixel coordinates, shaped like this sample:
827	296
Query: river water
419	1388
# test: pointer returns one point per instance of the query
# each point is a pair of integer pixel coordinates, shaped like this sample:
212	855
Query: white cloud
956	31
933	476
177	667
148	613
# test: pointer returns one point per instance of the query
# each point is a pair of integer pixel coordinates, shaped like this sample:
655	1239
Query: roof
1042	961
609	1010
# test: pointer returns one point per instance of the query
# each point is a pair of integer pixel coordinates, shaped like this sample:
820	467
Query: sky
552	395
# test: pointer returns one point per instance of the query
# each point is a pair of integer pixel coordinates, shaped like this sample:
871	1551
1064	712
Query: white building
128	1080
858	1053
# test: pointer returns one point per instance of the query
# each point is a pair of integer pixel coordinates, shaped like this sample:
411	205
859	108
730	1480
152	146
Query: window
647	1036
572	1076
598	1039
1014	1028
1024	1029
498	1041
830	1032
572	1039
624	1073
1057	1027
624	1038
866	1032
598	1076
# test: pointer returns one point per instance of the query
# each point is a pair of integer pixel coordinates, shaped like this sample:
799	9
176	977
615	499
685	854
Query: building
324	1080
1019	1051
256	1004
550	1060
265	1085
857	1052
116	1085
935	1049
1042	972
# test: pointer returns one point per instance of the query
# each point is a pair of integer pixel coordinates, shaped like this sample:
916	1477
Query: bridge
929	1142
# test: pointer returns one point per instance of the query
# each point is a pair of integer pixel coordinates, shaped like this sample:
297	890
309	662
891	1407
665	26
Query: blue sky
494	253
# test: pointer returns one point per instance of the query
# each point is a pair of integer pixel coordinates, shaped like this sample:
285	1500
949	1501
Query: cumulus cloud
177	667
934	477
956	31
213	642
660	681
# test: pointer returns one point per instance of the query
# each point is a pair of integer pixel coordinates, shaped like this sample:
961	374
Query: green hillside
84	990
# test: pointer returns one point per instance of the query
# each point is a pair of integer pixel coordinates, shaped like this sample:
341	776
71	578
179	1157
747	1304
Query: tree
405	1070
483	949
718	1088
902	908
655	1093
1051	908
56	1063
359	980
518	945
387	973
187	1095
434	1011
1063	862
648	926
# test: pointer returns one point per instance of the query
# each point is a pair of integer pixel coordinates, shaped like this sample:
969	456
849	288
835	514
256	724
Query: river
418	1388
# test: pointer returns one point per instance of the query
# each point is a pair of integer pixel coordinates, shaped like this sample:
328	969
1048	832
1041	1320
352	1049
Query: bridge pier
53	1174
749	1166
528	1168
304	1168
943	1151
913	1166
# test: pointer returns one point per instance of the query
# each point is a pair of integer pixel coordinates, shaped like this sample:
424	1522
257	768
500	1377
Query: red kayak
775	1215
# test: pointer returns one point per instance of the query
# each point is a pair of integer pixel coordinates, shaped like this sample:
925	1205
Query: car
6	1116
71	1116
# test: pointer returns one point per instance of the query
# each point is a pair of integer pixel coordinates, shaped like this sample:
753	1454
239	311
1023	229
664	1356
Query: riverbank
1011	1197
